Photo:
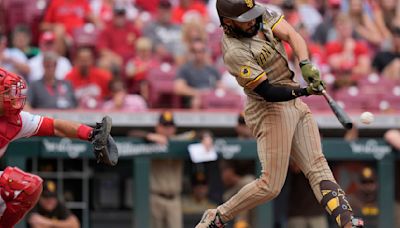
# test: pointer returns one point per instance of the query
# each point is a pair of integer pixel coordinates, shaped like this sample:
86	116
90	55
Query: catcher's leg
20	192
307	154
274	130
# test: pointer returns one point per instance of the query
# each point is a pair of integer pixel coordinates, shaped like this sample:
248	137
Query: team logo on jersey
245	71
249	3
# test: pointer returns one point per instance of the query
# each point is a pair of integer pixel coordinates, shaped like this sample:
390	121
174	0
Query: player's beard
250	32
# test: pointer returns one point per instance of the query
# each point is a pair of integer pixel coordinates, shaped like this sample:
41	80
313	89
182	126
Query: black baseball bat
341	115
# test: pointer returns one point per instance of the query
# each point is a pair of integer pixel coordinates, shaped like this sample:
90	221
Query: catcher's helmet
12	88
239	10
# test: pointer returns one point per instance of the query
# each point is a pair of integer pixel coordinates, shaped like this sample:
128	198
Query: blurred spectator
165	35
21	39
390	12
89	82
392	137
102	9
196	75
291	12
228	82
138	67
364	26
3	19
116	43
189	10
197	201
365	200
13	59
121	100
148	5
63	17
47	43
242	130
326	31
165	177
50	92
304	209
193	31
309	15
387	63
235	175
378	18
50	212
348	58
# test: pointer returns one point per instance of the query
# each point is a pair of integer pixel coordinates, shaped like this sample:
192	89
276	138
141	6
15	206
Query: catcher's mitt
104	146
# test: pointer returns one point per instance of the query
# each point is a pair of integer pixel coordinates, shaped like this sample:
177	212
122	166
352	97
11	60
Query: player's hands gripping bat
314	88
104	145
341	115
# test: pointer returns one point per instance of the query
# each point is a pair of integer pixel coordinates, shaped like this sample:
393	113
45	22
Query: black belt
165	196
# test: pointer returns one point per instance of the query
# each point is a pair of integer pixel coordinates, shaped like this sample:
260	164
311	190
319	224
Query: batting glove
316	87
309	71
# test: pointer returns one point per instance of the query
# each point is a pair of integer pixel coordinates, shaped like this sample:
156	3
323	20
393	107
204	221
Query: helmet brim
255	12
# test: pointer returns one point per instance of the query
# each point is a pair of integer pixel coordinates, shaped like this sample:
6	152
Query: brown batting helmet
239	10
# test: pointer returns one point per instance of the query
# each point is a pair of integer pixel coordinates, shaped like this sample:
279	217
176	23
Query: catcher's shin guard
20	192
335	202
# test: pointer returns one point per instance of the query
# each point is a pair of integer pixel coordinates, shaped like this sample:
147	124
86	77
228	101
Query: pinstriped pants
284	130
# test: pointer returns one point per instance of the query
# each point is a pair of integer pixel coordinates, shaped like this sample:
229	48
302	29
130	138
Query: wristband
301	92
84	132
304	62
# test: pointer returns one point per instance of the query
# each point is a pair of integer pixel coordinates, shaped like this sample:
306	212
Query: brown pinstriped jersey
248	59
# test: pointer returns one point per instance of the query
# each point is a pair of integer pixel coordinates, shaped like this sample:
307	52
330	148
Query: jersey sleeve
241	63
30	125
271	18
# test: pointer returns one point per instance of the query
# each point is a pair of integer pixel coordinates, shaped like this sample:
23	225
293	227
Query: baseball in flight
367	117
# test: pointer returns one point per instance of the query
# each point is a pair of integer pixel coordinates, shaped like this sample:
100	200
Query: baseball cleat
210	219
357	222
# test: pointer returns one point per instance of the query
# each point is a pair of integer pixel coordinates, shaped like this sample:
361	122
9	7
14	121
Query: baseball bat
340	114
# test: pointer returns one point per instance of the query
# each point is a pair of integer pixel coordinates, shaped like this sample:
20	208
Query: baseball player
19	191
282	123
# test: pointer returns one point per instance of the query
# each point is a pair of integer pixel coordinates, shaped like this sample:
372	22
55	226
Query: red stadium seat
375	85
85	36
316	103
351	99
27	12
391	100
161	87
221	99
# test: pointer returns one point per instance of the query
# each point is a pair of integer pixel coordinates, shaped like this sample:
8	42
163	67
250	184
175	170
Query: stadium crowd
134	55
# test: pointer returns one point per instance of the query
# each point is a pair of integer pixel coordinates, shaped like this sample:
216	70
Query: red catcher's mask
12	90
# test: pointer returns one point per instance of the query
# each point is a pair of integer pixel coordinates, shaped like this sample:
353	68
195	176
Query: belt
165	196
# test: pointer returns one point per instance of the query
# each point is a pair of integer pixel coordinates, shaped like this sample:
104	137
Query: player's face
13	98
166	130
48	203
245	29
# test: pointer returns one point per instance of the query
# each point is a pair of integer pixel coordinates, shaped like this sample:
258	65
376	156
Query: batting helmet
239	10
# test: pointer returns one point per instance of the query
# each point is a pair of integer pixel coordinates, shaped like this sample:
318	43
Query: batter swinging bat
342	116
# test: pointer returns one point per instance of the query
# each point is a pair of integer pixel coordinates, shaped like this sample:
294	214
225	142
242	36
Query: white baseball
367	117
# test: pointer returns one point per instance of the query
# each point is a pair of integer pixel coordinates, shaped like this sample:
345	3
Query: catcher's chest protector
9	128
19	193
